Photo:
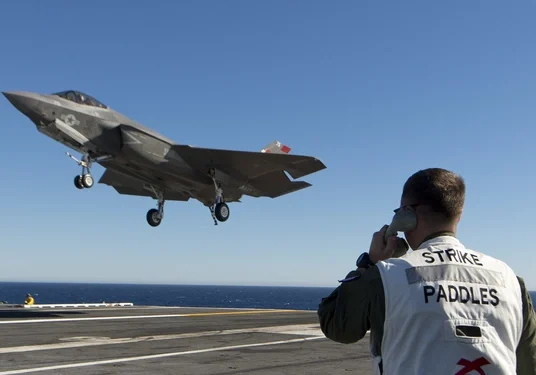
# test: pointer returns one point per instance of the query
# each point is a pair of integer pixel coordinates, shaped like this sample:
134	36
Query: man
440	309
29	299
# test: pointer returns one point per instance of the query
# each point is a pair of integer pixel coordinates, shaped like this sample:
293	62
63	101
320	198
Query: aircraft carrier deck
171	340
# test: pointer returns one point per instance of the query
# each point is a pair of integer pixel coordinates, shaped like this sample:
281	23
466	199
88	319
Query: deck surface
155	340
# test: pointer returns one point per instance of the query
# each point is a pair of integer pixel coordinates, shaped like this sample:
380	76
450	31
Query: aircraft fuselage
139	161
132	145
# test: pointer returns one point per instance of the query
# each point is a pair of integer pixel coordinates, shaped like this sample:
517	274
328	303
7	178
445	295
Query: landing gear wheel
153	217
222	212
78	182
87	180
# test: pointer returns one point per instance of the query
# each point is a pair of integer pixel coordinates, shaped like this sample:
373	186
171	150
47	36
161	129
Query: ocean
261	297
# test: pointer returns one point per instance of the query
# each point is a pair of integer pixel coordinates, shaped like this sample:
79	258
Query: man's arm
526	350
345	315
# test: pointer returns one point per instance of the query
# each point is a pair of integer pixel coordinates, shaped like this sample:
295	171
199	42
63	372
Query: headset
403	220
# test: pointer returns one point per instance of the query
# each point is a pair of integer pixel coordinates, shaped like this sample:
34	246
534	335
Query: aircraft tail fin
276	147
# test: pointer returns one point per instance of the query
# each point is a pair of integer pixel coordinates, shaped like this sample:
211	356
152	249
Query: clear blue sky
376	90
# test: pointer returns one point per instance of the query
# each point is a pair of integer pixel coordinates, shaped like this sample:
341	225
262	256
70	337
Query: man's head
437	196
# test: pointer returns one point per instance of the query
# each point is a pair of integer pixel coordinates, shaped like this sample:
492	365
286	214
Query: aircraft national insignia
70	119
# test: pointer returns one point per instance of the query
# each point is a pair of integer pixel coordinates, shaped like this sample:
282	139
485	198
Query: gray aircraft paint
140	161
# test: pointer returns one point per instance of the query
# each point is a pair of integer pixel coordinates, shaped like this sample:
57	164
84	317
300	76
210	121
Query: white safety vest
449	310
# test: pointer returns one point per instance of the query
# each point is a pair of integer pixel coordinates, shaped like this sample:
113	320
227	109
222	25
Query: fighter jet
139	161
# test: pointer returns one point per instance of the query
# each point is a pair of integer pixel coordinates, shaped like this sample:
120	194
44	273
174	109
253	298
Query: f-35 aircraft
142	162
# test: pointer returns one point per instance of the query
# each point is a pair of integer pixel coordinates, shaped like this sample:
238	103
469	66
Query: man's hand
379	250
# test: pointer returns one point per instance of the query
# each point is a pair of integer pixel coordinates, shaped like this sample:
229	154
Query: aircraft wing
127	185
246	164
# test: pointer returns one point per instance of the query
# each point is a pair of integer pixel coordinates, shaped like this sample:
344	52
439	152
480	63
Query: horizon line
161	284
180	284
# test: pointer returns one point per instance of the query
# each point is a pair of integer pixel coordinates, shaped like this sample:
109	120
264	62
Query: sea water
262	297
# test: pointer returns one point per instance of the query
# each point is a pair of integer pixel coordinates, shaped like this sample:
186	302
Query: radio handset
403	220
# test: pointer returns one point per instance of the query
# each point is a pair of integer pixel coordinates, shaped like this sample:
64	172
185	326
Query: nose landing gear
85	179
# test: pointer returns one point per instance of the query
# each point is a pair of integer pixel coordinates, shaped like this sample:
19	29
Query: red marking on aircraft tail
285	149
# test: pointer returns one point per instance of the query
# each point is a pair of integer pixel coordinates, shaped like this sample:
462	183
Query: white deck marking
83	341
56	320
153	356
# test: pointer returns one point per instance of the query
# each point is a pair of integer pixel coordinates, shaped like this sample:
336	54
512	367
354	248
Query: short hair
442	190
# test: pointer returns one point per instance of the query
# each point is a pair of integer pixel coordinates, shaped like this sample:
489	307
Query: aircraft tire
87	180
78	182
152	217
222	212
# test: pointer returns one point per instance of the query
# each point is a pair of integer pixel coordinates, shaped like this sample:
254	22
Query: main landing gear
155	215
85	179
219	211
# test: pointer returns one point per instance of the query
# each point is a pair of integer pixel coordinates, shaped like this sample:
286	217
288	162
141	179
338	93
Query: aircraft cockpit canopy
80	97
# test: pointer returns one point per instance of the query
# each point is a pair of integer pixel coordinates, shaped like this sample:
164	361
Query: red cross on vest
475	365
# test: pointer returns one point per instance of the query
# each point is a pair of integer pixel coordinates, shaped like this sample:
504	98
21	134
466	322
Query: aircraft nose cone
20	101
9	95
